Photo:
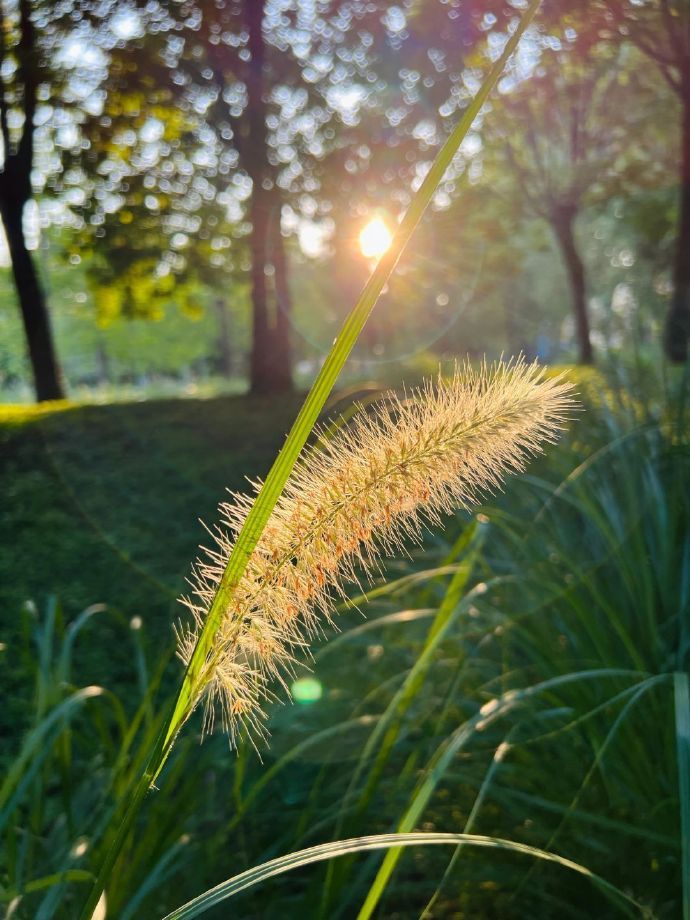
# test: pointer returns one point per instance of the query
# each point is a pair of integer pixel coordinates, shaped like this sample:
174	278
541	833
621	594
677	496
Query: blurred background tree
214	164
661	30
565	140
28	35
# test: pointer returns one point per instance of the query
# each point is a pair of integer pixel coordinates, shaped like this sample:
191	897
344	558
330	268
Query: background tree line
185	147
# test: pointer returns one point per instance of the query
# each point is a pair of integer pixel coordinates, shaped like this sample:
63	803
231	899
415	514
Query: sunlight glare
375	238
311	239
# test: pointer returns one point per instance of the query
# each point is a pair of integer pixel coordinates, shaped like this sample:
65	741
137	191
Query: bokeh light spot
307	690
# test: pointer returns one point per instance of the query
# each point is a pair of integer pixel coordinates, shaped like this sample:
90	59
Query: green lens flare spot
307	690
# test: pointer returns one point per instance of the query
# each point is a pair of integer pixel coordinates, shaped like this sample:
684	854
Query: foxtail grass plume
362	493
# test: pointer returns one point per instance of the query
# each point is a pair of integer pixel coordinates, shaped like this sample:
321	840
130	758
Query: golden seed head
364	491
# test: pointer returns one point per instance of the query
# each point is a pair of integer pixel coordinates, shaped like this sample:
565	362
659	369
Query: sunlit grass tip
359	494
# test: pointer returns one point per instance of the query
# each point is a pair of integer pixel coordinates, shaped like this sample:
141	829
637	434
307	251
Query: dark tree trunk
32	304
282	352
562	222
269	370
15	191
260	362
677	329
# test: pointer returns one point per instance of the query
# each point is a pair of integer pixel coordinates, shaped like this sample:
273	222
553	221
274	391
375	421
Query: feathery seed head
375	483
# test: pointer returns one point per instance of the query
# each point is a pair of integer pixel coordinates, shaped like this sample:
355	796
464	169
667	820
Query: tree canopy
192	151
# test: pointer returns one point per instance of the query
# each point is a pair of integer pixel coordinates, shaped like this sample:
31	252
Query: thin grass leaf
64	664
398	618
639	692
155	876
333	731
587	817
379	745
44	638
479	800
48	881
36	748
397	586
681	687
258	874
439	763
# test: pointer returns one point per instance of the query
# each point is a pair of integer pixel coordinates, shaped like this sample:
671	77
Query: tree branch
636	33
534	199
28	74
674	39
4	124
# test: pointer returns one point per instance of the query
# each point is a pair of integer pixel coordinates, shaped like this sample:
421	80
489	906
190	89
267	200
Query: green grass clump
541	712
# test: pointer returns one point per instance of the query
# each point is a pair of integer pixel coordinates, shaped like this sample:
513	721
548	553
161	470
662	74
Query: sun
375	238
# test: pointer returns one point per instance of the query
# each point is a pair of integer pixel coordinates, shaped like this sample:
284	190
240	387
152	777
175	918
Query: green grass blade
445	754
36	748
399	586
379	745
48	881
505	796
638	693
268	775
378	748
315	401
682	708
398	618
477	805
258	874
387	728
64	664
155	876
45	638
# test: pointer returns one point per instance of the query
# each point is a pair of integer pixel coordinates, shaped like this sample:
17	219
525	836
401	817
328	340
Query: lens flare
375	239
307	690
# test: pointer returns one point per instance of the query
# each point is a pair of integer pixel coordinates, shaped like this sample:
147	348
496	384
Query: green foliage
529	679
178	337
544	715
153	204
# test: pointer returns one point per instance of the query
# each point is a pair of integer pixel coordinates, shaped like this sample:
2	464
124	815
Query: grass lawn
102	504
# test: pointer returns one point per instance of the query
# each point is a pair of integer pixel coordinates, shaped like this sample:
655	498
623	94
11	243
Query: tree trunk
32	304
269	371
562	222
677	328
282	353
260	363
